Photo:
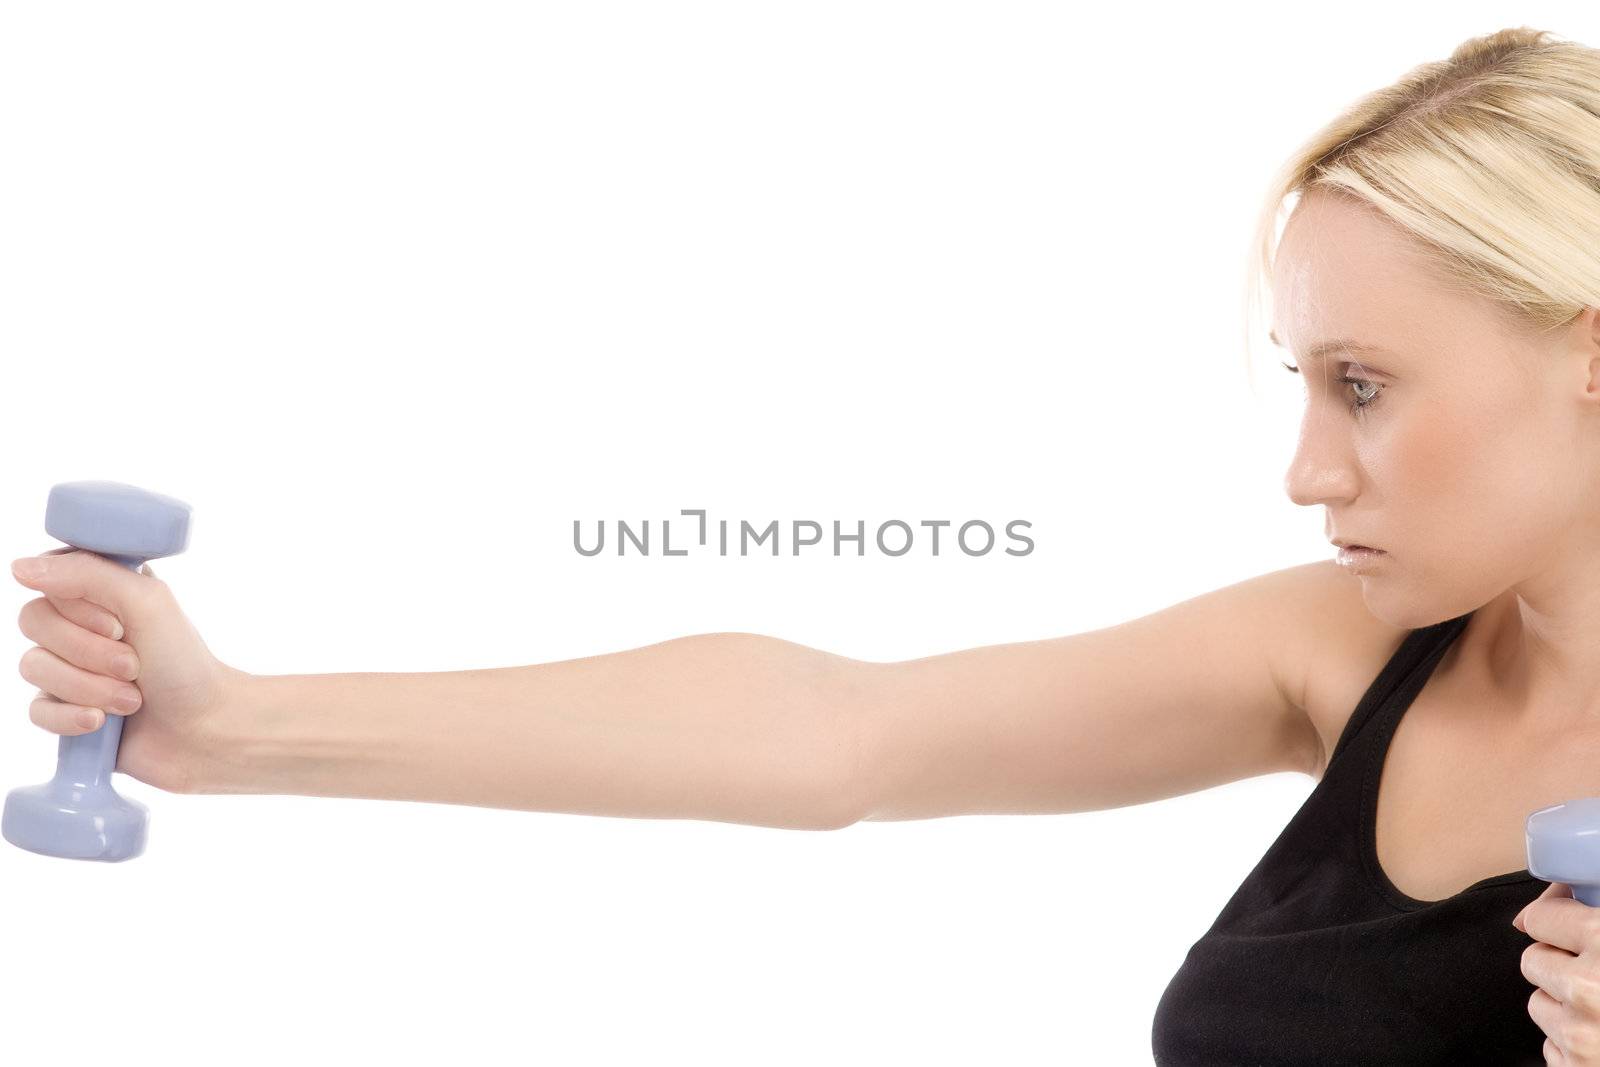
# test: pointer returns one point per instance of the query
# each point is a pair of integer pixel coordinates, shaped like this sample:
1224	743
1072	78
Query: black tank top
1319	958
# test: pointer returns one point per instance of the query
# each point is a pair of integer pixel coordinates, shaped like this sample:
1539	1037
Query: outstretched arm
730	727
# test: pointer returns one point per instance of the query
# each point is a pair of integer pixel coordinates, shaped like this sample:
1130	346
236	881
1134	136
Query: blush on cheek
1425	489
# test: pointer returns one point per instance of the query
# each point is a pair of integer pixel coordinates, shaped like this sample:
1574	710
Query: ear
1583	340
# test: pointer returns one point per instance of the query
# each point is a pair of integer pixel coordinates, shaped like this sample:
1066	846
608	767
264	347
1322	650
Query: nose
1323	470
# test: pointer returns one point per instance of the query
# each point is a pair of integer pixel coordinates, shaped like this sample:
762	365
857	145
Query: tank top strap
1396	685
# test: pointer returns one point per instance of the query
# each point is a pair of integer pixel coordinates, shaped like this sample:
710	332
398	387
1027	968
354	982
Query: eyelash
1356	405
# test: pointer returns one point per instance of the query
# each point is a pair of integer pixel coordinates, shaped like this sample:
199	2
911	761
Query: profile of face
1469	448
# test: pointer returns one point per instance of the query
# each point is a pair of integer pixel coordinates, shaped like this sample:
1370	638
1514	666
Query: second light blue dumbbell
77	814
1564	846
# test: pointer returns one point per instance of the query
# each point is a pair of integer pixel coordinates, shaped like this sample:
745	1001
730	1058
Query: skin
731	727
1476	468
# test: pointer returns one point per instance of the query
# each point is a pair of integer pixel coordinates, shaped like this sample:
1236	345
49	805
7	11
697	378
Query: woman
1437	283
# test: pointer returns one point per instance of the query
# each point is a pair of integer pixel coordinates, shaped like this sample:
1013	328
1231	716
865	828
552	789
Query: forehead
1343	270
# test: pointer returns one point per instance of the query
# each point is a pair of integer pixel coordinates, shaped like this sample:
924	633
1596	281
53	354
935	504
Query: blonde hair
1489	159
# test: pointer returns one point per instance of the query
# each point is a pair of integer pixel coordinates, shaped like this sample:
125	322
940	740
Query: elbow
844	801
827	740
838	810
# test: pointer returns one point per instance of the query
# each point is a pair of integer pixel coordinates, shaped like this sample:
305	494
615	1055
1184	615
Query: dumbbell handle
87	760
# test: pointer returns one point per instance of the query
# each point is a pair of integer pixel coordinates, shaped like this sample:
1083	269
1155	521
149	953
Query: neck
1539	654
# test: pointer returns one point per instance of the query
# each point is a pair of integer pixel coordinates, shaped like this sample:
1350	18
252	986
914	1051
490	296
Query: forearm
729	727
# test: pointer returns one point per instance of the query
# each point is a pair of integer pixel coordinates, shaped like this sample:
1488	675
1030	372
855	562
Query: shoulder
1331	647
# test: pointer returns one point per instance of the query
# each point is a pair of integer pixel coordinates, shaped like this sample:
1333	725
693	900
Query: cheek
1479	491
1420	467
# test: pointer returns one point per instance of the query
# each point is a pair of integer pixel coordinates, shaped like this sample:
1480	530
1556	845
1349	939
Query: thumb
78	573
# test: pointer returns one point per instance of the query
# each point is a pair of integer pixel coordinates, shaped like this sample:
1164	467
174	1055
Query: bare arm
1207	691
728	727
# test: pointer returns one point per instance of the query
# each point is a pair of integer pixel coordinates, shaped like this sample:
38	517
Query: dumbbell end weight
1564	846
58	819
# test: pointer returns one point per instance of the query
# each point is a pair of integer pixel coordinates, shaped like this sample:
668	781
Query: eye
1359	399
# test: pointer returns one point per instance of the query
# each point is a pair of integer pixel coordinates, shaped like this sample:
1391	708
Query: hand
1563	963
101	630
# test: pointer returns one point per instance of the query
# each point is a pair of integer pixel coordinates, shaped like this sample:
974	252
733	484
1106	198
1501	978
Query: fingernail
89	720
116	629
30	567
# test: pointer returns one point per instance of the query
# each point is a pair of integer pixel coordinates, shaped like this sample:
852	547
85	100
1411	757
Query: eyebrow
1338	344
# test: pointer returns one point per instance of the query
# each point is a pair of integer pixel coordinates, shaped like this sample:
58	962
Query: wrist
248	744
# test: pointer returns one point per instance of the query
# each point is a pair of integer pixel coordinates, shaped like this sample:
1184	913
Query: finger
1552	969
1563	922
1551	891
75	685
1547	1012
60	717
92	577
89	616
42	624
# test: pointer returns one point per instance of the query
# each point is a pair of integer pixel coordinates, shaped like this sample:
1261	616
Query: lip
1355	544
1357	558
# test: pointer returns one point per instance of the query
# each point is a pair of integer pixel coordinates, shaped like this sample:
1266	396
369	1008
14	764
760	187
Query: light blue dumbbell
1564	846
77	814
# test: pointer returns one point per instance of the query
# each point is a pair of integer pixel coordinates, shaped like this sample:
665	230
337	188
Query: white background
392	293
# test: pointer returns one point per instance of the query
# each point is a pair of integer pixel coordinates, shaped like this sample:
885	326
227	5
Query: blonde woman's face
1473	463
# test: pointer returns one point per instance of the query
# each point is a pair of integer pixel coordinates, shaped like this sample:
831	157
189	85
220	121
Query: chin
1412	606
